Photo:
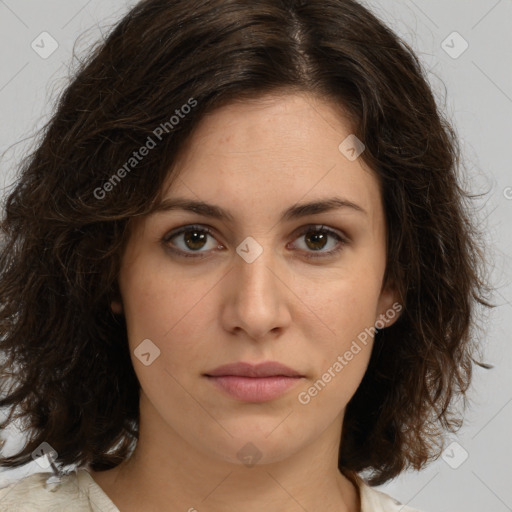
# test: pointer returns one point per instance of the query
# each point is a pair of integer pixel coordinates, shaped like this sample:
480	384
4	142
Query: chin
249	446
246	453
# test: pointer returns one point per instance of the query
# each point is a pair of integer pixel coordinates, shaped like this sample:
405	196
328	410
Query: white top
79	492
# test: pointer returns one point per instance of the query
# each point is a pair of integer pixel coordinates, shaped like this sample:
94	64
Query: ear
116	304
116	307
389	307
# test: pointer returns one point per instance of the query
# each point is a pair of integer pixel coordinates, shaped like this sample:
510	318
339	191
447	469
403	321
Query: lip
254	383
266	369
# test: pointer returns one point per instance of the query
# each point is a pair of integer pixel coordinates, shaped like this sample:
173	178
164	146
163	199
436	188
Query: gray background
475	473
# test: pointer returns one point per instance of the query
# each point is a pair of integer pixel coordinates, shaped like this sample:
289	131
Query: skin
253	159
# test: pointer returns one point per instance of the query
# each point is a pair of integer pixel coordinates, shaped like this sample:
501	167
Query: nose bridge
258	295
253	270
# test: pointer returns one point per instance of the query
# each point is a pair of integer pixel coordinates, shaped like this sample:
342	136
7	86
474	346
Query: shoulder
35	493
32	493
373	500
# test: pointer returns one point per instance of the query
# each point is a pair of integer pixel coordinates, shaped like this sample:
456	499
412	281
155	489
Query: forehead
272	151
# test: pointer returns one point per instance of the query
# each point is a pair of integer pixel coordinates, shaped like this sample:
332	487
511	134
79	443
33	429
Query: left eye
317	239
196	238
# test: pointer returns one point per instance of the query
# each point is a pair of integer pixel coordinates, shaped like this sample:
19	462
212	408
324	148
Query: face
255	285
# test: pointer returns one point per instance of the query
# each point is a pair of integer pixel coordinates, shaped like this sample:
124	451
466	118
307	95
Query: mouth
254	383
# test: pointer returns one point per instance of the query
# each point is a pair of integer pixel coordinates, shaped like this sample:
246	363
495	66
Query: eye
196	238
190	240
317	238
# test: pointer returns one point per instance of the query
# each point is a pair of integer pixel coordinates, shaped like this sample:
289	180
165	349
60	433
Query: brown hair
65	228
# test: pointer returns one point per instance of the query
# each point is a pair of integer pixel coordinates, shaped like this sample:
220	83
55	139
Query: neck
176	476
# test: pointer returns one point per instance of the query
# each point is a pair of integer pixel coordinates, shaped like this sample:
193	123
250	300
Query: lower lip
254	389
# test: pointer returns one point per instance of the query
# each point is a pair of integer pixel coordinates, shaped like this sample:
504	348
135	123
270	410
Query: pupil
192	239
317	238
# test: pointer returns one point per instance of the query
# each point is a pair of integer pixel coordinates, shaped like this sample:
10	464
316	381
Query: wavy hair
66	371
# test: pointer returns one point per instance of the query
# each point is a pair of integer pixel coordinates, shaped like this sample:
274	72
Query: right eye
190	239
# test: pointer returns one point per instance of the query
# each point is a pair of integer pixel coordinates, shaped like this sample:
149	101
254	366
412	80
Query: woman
239	267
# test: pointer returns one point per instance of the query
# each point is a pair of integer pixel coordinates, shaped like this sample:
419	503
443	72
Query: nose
257	300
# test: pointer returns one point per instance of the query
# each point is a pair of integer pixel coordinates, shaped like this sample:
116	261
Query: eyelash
206	230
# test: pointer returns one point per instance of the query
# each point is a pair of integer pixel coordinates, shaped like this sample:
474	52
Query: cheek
343	305
170	310
342	354
342	328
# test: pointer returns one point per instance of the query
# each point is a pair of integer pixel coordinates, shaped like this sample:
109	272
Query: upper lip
267	369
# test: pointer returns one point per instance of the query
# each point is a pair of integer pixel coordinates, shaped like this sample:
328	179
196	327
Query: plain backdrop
465	47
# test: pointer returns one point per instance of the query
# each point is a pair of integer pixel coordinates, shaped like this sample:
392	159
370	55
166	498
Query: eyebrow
294	212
